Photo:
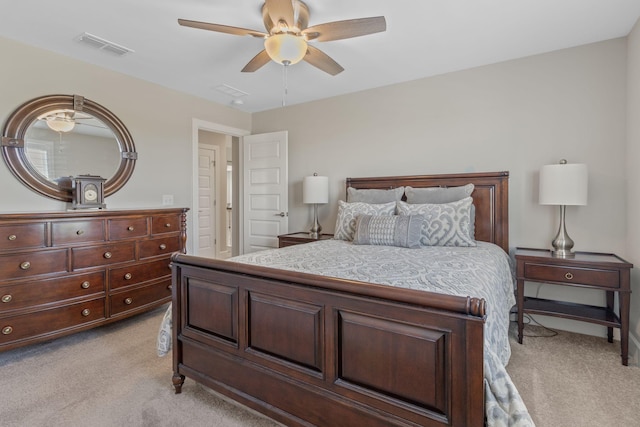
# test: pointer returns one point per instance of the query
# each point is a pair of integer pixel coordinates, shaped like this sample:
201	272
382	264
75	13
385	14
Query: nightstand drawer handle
7	330
86	312
7	298
80	232
107	255
85	284
167	225
163	246
25	265
568	276
128	276
12	237
128	301
130	228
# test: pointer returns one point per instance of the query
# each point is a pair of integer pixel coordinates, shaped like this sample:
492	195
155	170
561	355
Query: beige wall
514	116
159	120
633	173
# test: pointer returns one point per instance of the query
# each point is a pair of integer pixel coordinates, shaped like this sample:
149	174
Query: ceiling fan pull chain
285	65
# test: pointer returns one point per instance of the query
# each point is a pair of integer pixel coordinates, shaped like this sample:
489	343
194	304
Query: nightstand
299	238
607	272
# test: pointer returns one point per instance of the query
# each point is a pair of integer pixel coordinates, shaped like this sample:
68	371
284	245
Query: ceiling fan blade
258	61
281	10
349	28
221	28
321	60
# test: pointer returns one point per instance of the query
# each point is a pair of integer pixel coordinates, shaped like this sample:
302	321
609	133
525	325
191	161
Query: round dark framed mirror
51	138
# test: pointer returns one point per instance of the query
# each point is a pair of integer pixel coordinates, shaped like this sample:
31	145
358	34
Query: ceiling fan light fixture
285	48
60	122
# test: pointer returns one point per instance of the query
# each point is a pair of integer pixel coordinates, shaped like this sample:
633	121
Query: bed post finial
476	306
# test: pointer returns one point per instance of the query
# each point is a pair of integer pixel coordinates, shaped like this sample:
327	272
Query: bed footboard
310	350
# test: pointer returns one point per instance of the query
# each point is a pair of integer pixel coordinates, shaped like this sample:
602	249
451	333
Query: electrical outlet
167	199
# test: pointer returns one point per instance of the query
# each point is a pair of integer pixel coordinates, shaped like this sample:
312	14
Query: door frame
196	125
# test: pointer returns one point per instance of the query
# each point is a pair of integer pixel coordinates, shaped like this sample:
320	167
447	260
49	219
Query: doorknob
282	214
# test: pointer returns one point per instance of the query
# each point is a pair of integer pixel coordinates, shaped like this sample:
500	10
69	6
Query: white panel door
265	195
206	202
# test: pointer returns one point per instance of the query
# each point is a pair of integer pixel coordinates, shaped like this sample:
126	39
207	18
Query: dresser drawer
48	291
157	293
103	255
21	236
74	232
138	273
27	264
127	228
165	224
46	322
572	275
159	246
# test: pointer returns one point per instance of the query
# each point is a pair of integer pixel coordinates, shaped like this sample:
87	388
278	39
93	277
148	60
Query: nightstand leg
624	326
610	295
520	305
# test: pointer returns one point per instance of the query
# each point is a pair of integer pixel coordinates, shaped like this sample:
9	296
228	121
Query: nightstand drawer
572	275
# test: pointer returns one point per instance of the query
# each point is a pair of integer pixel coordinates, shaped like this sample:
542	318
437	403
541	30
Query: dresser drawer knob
163	246
128	301
130	228
167	225
25	265
7	330
107	255
80	232
128	276
170	287
86	312
85	284
7	298
568	276
12	237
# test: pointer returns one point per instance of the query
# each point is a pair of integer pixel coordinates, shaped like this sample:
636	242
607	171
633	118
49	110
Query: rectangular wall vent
102	44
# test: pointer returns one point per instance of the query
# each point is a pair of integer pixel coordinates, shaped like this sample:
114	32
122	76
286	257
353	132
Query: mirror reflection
62	143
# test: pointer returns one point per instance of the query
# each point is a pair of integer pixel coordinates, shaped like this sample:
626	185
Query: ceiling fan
285	40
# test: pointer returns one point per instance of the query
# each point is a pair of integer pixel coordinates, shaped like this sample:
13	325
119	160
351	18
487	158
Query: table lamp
315	190
563	184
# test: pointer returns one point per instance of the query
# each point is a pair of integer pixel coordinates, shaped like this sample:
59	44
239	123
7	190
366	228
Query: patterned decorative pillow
348	212
374	196
446	224
403	231
438	194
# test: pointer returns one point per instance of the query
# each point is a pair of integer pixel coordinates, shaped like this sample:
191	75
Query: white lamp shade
563	184
285	47
315	189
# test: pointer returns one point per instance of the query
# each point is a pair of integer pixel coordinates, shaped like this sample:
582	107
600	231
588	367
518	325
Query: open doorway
216	218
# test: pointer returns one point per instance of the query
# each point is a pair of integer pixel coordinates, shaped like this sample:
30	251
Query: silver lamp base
562	244
314	233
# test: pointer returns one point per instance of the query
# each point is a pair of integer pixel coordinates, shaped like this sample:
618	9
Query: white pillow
446	224
348	212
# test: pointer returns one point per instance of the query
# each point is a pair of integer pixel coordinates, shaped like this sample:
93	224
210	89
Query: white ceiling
423	38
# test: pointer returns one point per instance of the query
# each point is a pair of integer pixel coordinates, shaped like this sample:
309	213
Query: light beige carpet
111	376
574	380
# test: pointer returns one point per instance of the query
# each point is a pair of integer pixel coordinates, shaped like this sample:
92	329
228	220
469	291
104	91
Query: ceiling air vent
102	44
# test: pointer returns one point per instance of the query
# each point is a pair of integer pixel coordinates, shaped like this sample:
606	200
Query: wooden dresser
64	272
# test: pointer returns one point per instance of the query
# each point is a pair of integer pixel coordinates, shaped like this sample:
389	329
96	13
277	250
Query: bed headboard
490	197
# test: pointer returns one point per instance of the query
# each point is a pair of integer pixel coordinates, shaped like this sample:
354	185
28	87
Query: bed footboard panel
308	354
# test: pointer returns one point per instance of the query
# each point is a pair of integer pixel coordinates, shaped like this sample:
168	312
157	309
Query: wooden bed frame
309	350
